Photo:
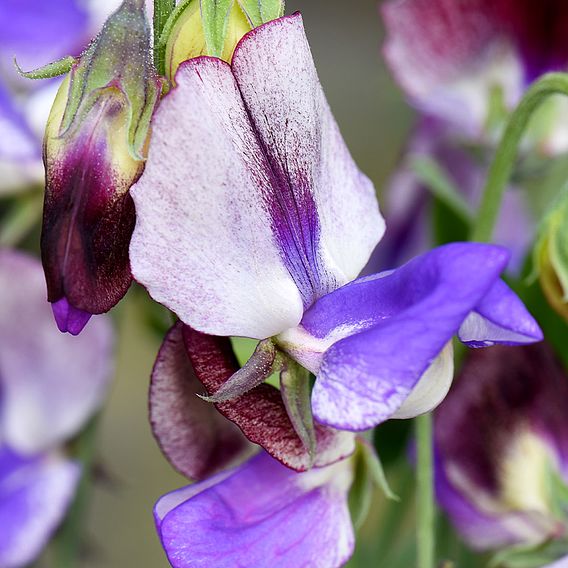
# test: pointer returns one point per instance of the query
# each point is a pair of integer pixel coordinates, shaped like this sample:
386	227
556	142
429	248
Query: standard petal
51	383
194	436
264	514
34	496
261	413
500	317
404	319
270	212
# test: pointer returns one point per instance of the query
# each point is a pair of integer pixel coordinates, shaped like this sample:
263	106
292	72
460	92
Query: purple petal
69	318
38	32
261	413
404	319
17	141
193	435
263	515
271	212
34	497
500	317
503	395
51	383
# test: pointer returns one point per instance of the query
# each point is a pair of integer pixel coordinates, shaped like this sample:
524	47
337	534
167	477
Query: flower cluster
203	161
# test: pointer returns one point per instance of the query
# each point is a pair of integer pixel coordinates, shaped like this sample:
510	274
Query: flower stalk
425	511
505	156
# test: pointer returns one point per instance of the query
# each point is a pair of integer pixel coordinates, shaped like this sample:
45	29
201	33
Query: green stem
67	543
425	492
162	11
504	160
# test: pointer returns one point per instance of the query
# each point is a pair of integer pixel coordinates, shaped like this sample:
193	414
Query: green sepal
54	69
118	57
295	388
530	556
174	16
215	19
368	473
259	12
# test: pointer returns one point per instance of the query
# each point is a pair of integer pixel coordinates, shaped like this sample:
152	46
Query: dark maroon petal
196	439
260	413
87	224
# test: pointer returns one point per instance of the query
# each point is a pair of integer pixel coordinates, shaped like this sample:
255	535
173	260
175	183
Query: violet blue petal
403	318
500	317
69	318
193	435
34	496
270	212
17	141
264	514
261	413
38	32
51	383
504	396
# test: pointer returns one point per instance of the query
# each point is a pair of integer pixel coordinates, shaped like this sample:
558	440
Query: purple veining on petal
69	318
262	514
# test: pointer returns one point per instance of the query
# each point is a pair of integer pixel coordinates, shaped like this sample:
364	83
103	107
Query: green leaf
215	18
376	471
530	556
55	69
296	390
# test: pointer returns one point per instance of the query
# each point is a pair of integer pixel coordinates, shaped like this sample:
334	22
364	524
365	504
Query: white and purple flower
253	220
50	385
501	446
468	61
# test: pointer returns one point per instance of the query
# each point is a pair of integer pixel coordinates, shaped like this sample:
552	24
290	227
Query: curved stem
504	160
424	492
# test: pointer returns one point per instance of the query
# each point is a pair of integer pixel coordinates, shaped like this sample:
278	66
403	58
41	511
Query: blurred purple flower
455	59
50	385
260	514
263	230
408	202
501	445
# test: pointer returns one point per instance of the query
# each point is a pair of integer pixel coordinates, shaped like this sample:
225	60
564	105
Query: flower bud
94	147
551	257
213	28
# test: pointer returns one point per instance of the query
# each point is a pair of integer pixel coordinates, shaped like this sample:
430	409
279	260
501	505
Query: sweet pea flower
501	446
470	62
51	384
253	220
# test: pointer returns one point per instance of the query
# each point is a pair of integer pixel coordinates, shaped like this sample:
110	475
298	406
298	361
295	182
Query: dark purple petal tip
69	319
